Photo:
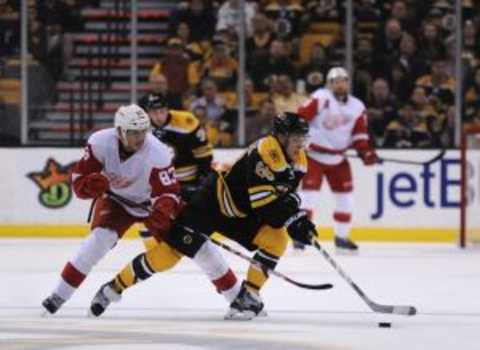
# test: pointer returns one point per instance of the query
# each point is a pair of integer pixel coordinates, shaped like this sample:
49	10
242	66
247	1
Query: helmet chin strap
122	135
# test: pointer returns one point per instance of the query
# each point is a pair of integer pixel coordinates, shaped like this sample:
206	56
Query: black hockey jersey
193	152
260	181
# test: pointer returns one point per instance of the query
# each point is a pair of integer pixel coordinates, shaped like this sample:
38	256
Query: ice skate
102	299
246	306
345	246
52	304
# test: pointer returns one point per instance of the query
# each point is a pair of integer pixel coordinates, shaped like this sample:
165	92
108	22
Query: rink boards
393	202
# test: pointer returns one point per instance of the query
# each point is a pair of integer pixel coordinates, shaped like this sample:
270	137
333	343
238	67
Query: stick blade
312	286
405	310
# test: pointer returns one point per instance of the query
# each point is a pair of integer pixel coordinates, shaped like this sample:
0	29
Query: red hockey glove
165	210
95	184
369	156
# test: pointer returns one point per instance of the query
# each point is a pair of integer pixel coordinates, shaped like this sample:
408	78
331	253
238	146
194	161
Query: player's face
295	143
135	139
339	87
158	116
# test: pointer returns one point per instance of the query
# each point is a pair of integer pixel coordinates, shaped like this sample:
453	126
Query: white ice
180	309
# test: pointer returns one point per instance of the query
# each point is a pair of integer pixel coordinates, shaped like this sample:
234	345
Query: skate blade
262	313
90	314
346	252
234	315
45	314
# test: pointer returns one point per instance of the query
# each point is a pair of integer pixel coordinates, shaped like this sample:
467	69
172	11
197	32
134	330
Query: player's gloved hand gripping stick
228	248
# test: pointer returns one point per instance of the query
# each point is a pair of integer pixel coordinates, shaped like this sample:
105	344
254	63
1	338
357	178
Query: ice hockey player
255	204
130	161
182	131
337	121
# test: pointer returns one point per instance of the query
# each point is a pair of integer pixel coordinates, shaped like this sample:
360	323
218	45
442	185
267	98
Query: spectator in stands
221	67
214	135
197	50
287	15
439	83
363	59
199	17
261	124
253	99
315	70
159	87
258	44
321	10
400	83
386	46
382	109
431	43
229	17
211	100
472	99
9	28
284	97
409	57
424	107
407	131
400	12
471	43
278	62
176	67
366	11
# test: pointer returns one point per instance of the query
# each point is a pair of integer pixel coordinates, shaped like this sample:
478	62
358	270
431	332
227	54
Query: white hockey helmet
335	73
131	117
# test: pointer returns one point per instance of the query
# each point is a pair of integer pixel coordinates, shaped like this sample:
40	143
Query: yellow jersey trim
182	122
224	197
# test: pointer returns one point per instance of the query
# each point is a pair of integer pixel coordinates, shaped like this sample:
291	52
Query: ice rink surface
180	309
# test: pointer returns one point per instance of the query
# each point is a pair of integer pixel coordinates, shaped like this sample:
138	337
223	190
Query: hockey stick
398	161
386	309
228	248
266	270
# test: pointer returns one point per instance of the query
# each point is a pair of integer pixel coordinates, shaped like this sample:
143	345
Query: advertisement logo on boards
410	189
54	184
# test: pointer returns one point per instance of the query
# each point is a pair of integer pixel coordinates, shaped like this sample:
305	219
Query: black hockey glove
187	191
300	228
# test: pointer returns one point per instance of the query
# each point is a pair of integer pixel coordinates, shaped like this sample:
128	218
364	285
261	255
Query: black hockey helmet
289	123
155	102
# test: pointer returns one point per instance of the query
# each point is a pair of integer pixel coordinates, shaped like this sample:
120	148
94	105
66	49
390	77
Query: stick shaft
390	309
398	161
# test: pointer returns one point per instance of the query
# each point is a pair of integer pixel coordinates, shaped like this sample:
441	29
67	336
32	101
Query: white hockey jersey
146	174
334	125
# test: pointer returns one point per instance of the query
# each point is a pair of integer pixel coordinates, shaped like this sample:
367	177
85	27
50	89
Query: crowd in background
403	60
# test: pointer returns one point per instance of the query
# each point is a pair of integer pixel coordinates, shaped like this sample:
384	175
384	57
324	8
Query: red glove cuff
91	186
165	209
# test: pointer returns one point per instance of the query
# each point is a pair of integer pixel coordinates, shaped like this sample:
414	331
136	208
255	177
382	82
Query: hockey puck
384	325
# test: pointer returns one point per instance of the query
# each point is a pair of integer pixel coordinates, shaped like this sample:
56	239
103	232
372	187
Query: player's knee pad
94	248
162	257
271	240
186	242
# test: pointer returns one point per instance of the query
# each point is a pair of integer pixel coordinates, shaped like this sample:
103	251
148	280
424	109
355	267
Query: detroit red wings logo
334	121
117	181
